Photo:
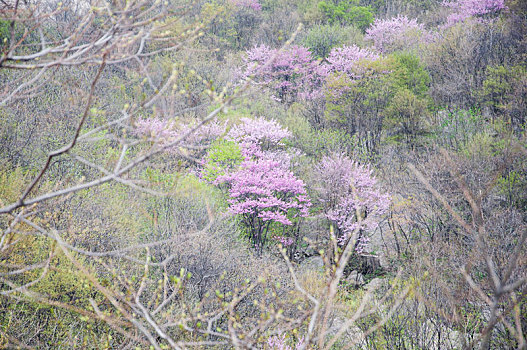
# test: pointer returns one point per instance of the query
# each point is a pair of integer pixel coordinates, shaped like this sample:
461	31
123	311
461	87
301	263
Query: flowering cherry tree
250	4
345	60
463	9
262	190
397	33
258	135
286	71
351	197
261	193
295	73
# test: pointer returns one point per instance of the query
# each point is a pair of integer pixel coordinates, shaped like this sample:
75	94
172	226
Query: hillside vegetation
263	174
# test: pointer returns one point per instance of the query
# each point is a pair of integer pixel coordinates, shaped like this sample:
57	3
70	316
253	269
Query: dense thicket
263	174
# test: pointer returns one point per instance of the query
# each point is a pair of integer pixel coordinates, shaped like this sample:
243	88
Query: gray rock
352	332
355	278
313	263
374	284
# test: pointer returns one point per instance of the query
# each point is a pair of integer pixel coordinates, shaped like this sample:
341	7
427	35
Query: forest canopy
263	174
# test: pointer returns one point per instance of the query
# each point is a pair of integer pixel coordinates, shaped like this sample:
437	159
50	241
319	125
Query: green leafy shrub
410	73
347	12
404	116
4	32
504	91
223	156
322	38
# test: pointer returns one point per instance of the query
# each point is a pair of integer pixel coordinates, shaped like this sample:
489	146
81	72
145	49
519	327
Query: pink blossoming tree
397	33
163	132
345	60
481	9
250	4
294	73
259	135
351	198
263	191
287	72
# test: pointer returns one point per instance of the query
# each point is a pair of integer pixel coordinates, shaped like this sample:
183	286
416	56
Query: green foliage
391	93
488	142
356	105
18	28
51	325
222	157
310	12
504	90
513	185
21	30
409	105
230	25
404	115
454	128
322	38
409	73
156	177
317	143
360	16
187	208
12	183
347	12
5	30
497	86
65	283
190	187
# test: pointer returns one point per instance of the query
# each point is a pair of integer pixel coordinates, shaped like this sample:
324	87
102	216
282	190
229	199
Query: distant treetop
464	9
251	4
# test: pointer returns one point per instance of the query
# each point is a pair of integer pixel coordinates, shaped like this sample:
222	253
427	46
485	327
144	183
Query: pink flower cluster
157	129
279	343
263	189
250	4
396	33
295	73
463	9
286	241
263	185
344	59
351	196
286	71
262	138
260	132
